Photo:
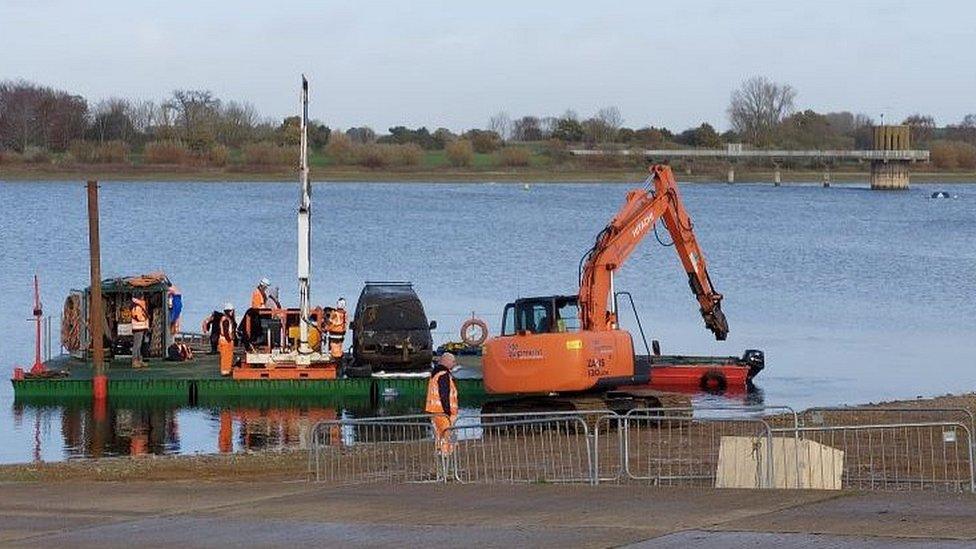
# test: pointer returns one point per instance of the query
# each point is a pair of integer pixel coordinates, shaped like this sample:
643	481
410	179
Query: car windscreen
394	314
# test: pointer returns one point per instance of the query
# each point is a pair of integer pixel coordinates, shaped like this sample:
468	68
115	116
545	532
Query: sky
454	64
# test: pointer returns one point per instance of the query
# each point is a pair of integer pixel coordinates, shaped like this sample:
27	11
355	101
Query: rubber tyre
713	382
353	370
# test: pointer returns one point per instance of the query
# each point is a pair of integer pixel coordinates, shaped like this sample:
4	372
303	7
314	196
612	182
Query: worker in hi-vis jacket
442	401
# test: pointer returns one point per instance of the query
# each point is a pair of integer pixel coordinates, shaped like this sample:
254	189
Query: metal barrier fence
672	451
358	451
893	456
668	447
548	449
828	416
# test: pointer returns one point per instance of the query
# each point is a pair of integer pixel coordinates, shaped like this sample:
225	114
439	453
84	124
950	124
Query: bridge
889	159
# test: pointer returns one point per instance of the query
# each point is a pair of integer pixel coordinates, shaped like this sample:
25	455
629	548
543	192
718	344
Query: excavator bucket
716	322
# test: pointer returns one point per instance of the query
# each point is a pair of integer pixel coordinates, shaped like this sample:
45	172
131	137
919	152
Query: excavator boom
658	200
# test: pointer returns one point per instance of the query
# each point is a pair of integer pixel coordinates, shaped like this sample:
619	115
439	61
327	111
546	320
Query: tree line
195	126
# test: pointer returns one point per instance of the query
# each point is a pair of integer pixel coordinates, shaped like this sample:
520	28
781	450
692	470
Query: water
855	296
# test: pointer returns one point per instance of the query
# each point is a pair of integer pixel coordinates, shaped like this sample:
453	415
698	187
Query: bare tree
862	120
235	123
362	134
501	124
32	115
921	128
758	107
197	112
611	120
526	129
594	131
548	125
112	120
143	114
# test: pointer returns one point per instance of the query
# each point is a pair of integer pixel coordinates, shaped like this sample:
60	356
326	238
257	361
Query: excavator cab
542	315
542	349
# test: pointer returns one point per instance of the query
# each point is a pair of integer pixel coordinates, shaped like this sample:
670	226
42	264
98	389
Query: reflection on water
85	431
80	429
90	431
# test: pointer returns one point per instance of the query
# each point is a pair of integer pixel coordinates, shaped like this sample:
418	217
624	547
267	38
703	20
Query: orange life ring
469	339
713	381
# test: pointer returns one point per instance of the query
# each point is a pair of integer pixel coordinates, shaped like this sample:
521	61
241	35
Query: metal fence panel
828	416
896	456
365	451
497	450
670	451
609	448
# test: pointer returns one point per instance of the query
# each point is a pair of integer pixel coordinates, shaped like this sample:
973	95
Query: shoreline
288	464
21	174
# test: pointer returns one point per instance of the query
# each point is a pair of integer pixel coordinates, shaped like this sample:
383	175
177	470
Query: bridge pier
731	175
890	174
777	176
826	178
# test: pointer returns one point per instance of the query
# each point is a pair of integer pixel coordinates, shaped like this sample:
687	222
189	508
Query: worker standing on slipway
442	401
140	327
228	332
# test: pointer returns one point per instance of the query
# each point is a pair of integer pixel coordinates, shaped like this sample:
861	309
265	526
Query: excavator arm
658	200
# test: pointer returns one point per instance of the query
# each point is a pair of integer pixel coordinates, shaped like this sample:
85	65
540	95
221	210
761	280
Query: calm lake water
855	296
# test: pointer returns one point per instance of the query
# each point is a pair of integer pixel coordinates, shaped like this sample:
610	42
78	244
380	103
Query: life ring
468	338
713	381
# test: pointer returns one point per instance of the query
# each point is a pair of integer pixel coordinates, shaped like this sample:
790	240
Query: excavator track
619	401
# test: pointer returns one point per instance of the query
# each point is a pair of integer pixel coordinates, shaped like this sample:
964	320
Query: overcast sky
450	63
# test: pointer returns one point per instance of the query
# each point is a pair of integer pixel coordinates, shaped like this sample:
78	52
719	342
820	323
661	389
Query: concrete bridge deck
911	155
889	166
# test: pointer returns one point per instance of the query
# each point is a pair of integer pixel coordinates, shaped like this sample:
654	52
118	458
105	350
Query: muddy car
390	330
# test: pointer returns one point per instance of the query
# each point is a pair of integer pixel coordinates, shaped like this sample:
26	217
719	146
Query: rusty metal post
95	310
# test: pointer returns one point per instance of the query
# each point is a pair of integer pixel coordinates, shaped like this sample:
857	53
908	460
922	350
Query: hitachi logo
642	226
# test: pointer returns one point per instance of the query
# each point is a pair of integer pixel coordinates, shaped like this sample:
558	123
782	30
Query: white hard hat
341	303
265	282
228	306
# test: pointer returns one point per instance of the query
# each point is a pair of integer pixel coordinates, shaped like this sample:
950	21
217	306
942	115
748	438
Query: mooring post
95	314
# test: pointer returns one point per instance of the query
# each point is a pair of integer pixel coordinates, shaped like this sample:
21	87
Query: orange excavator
573	344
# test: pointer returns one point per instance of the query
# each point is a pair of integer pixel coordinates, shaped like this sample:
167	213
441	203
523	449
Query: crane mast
657	200
304	229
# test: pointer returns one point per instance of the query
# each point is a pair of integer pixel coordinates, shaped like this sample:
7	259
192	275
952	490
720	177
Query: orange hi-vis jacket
441	387
258	300
140	316
337	322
